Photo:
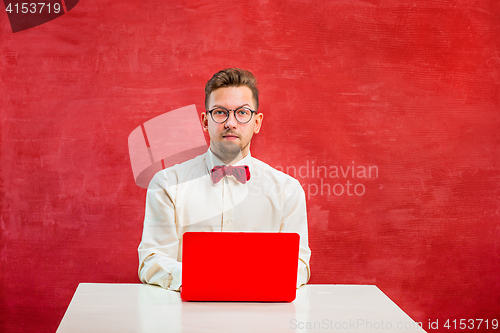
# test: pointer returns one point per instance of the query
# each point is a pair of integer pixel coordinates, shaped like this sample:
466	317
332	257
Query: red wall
410	88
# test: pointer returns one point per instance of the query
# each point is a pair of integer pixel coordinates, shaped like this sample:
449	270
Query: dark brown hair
232	77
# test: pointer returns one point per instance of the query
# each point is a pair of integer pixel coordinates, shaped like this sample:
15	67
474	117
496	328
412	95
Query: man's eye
243	112
219	112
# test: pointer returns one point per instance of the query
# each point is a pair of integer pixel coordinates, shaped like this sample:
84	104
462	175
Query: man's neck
229	160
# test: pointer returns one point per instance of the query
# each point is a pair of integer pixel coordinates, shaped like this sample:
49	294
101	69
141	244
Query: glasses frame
234	114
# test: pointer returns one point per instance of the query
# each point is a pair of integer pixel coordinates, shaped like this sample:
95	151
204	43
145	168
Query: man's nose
231	121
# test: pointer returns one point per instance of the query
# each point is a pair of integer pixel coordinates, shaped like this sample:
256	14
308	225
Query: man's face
230	140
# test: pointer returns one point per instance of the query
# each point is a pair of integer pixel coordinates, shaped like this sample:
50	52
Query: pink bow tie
241	173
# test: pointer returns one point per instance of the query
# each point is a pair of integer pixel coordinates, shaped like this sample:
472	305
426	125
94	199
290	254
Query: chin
229	150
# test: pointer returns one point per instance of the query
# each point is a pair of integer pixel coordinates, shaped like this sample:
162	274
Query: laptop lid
239	266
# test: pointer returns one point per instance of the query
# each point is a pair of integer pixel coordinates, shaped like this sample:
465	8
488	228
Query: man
225	189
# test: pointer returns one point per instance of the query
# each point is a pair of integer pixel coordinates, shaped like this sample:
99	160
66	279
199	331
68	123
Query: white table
125	308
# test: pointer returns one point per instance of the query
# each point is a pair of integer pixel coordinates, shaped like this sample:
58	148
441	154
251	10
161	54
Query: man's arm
294	219
159	247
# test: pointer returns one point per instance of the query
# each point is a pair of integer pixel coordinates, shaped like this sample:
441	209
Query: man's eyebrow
220	106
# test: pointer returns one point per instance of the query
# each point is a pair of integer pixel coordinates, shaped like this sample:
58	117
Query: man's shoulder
182	172
198	161
278	175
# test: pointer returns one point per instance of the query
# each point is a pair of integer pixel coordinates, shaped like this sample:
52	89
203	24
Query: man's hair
232	77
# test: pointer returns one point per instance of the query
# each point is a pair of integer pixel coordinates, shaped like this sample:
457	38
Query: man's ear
258	122
204	121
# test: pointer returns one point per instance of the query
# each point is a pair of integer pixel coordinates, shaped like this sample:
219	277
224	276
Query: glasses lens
243	115
219	115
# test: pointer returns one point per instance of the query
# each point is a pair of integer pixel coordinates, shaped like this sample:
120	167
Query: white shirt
184	198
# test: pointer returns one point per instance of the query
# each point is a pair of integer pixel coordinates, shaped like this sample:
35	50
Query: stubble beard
228	152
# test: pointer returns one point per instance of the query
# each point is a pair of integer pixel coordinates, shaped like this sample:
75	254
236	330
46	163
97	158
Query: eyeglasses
220	114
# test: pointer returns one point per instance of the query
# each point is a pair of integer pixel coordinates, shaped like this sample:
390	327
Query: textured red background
411	87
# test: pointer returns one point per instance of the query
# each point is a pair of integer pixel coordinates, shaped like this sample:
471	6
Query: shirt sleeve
159	248
294	219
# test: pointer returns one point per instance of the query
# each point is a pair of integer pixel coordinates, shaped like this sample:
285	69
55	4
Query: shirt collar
213	160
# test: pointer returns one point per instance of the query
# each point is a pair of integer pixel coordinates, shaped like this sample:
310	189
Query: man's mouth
230	136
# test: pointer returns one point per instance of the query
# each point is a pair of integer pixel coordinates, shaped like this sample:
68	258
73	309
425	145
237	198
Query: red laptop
239	266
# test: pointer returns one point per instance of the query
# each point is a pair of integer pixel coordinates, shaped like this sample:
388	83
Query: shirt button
228	192
227	221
